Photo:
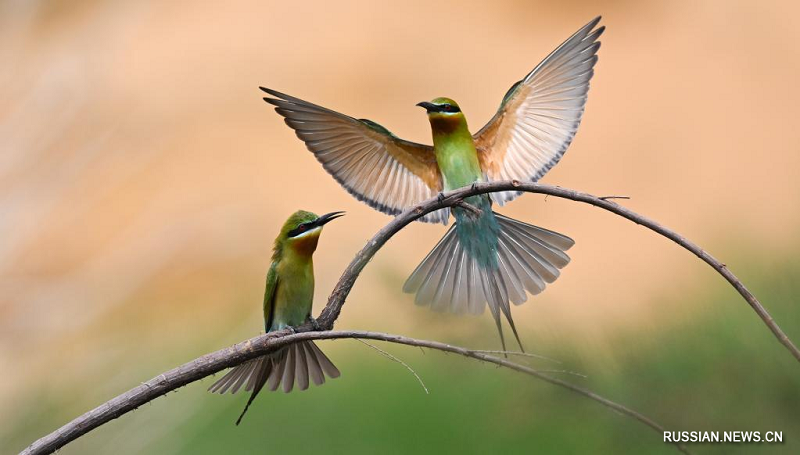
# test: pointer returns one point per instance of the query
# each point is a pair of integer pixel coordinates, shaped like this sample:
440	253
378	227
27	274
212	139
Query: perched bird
484	257
287	303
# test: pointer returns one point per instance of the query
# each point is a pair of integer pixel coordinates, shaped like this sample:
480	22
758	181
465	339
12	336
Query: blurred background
143	179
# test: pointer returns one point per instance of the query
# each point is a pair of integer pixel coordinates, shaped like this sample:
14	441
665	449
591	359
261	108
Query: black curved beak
429	107
324	219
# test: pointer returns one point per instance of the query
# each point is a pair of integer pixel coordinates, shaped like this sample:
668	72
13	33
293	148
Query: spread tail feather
296	363
528	257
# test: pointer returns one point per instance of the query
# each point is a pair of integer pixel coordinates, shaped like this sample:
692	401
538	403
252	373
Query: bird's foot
291	329
314	323
440	197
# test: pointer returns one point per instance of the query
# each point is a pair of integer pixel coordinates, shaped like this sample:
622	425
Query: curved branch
455	197
478	355
270	342
239	353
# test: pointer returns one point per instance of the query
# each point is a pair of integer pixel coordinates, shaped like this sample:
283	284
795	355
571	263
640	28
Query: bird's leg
314	323
469	208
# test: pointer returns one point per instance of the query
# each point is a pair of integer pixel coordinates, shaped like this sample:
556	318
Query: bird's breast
295	293
459	166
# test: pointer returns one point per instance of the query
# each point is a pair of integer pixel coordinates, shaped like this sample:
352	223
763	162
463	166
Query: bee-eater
287	303
485	257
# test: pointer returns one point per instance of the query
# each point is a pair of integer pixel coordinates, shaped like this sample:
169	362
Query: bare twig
567	372
516	353
237	354
469	207
605	198
396	359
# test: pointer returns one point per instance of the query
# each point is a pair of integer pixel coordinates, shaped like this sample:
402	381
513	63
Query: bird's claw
314	323
291	329
440	197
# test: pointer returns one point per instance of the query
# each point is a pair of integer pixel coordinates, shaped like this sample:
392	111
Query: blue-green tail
484	258
478	231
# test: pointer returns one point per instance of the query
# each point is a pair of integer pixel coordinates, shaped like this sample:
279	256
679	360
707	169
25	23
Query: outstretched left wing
540	114
372	164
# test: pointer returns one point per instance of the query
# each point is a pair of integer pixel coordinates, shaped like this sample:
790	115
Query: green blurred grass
716	369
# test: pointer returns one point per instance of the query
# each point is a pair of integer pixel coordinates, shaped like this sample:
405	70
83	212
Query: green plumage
289	293
477	232
457	158
288	299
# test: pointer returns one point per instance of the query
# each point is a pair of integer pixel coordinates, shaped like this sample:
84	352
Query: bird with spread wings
483	258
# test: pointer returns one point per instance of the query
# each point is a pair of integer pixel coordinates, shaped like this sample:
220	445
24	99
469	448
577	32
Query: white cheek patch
304	234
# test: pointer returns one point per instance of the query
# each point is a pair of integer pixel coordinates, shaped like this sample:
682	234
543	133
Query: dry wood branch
336	300
239	353
264	344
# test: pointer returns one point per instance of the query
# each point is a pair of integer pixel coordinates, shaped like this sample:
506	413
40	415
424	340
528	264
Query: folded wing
378	168
540	114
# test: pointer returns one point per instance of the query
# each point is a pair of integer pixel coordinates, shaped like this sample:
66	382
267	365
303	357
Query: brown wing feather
378	168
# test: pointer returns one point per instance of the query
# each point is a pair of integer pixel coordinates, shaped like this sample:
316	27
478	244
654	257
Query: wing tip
272	92
595	35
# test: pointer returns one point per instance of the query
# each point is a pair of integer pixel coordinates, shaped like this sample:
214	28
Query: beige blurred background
143	179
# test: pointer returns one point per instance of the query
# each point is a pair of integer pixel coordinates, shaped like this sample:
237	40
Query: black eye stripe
447	108
298	230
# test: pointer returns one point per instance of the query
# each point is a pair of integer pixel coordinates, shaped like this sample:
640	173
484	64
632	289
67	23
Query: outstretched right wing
540	114
372	164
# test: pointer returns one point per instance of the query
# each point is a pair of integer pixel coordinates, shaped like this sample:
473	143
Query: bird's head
443	113
301	232
441	107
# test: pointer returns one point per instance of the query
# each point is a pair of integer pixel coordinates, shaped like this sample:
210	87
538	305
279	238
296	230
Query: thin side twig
396	359
468	207
567	372
516	353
